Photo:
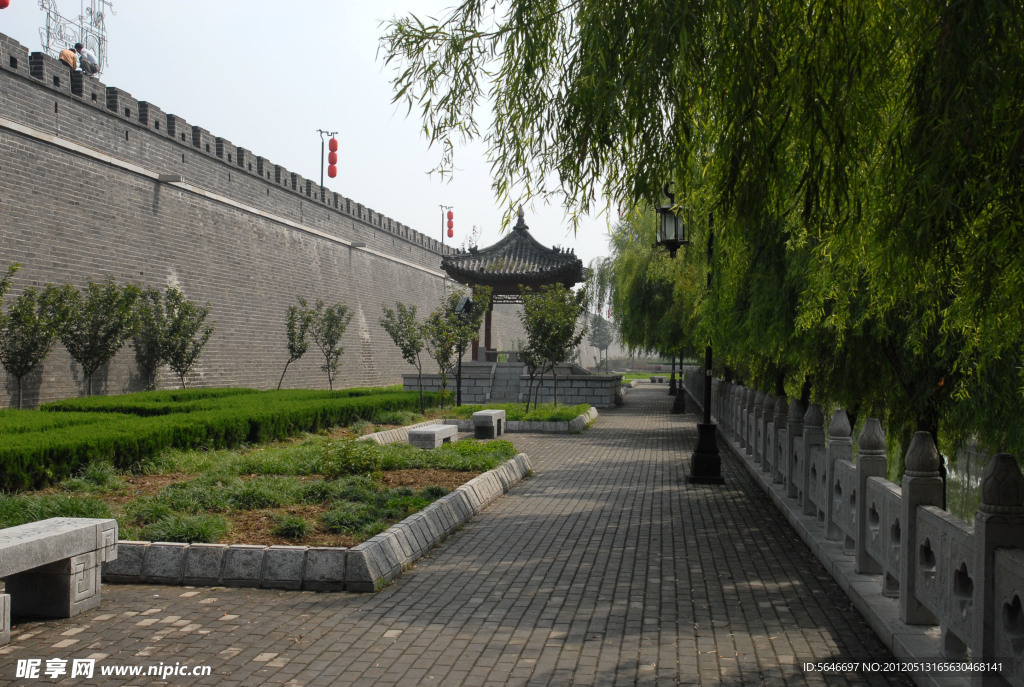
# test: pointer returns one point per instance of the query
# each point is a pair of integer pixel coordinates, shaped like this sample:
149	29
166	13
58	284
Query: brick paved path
606	568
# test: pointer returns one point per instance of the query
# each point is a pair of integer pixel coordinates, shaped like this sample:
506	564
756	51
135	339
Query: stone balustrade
908	565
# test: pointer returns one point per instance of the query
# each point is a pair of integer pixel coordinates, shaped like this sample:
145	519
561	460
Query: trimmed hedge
34	458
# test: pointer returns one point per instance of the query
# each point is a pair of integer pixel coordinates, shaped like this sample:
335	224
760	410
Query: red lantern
451	225
332	145
4	4
451	216
451	233
332	158
332	171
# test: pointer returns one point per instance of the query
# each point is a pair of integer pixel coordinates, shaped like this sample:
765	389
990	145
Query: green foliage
601	335
95	324
291	526
551	316
148	334
544	412
189	529
186	333
48	448
20	509
327	327
407	333
168	330
27	331
297	324
861	161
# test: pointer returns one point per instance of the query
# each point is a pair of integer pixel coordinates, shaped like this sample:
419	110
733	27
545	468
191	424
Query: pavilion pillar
487	327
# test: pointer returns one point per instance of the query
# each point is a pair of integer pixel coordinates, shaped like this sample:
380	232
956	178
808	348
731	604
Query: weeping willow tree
862	162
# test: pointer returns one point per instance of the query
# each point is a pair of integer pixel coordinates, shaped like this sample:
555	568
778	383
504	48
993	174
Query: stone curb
364	568
380	559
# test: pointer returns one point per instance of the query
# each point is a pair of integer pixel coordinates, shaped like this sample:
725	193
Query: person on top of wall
87	58
68	57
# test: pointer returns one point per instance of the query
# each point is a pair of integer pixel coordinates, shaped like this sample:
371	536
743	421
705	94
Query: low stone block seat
432	436
51	568
488	424
658	380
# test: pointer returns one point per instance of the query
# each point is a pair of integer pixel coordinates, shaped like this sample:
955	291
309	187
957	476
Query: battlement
52	75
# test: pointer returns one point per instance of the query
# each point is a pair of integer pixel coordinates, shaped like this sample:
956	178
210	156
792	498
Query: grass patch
320	491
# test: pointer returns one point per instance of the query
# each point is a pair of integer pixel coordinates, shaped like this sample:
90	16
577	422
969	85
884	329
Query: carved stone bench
432	436
51	568
488	424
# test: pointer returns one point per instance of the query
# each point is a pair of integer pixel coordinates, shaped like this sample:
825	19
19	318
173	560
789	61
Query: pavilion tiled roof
516	259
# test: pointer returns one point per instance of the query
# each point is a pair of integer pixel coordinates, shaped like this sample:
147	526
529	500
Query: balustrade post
839	447
998	523
922	486
756	413
794	438
814	442
776	458
767	417
871	462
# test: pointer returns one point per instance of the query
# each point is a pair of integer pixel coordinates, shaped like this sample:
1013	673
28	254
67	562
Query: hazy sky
266	75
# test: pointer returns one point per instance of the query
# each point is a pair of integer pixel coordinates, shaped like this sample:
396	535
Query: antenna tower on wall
89	28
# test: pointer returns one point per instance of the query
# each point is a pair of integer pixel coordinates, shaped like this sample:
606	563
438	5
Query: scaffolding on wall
89	28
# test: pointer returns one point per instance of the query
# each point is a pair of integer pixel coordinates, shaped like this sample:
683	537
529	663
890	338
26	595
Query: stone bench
488	424
51	568
432	436
658	380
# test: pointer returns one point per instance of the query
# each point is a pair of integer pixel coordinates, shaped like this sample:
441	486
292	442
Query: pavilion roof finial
521	222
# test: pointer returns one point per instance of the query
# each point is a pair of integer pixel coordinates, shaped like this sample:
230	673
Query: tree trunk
554	380
280	381
182	378
419	378
19	393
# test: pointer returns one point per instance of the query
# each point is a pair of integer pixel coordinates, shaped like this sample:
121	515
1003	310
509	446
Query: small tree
440	332
94	326
551	316
601	337
27	333
297	324
186	333
327	327
149	334
450	329
407	333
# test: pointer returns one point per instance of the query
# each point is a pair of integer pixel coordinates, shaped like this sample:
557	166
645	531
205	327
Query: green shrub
18	509
42	452
545	412
347	518
189	529
291	526
350	457
96	476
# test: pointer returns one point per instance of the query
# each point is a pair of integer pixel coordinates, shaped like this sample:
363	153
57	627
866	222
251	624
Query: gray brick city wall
89	188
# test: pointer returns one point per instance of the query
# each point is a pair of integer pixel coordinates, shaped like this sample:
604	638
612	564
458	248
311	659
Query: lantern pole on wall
447	223
332	159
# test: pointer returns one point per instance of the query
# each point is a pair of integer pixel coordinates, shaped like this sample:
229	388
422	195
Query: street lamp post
706	463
